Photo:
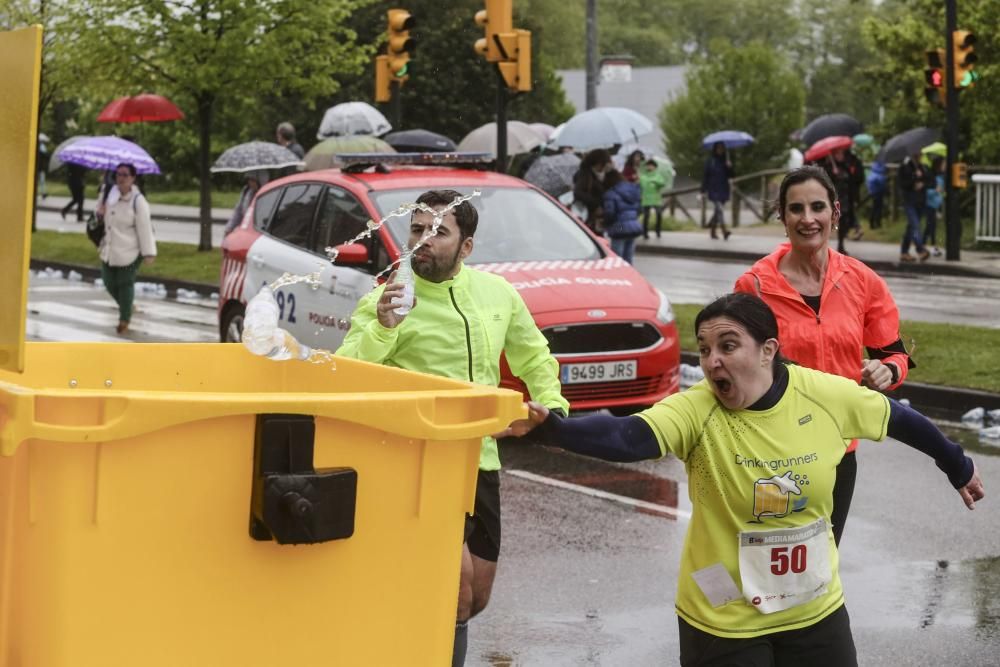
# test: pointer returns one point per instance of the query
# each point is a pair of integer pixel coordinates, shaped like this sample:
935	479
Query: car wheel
231	324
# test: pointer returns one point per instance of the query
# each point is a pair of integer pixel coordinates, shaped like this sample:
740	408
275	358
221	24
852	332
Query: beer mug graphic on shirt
771	495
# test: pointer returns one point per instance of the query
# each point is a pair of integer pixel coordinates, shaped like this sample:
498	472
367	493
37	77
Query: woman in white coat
128	240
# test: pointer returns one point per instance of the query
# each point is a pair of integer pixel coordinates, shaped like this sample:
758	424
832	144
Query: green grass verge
220	198
180	261
946	354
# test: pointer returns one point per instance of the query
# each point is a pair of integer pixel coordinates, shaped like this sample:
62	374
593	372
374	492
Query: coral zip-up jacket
856	310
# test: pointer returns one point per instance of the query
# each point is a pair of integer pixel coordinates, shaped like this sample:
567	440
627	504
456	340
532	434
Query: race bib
783	568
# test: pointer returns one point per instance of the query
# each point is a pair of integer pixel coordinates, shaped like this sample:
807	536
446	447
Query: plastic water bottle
973	418
262	335
404	275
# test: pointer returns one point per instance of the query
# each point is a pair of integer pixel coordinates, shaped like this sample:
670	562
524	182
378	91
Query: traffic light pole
953	224
396	106
501	123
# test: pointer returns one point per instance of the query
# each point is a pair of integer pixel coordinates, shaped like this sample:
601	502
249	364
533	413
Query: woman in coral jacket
829	306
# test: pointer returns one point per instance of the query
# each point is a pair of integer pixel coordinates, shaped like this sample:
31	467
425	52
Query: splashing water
438	218
263	337
311	279
261	333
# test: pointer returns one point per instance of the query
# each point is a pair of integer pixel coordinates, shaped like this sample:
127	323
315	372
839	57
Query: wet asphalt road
925	298
591	581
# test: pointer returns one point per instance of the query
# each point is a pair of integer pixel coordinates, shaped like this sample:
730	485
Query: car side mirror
352	254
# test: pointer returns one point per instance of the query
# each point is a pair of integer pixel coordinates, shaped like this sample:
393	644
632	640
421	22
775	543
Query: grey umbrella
553	173
830	125
907	143
54	161
255	155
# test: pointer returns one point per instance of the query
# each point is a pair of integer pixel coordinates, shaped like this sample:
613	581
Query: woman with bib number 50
761	439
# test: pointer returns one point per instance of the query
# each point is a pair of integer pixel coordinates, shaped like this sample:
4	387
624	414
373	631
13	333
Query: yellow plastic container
126	477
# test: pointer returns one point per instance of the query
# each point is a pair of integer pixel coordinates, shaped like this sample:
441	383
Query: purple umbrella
107	153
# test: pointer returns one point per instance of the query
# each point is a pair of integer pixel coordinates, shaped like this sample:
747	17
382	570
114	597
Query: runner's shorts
482	529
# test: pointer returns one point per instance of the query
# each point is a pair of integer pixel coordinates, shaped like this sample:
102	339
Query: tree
212	56
749	88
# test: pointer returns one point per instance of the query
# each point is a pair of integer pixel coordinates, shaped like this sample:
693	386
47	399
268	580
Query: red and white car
613	333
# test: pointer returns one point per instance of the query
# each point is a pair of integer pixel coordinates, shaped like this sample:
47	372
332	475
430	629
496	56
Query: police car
613	333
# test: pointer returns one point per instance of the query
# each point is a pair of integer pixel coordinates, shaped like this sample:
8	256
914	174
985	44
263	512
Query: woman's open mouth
723	385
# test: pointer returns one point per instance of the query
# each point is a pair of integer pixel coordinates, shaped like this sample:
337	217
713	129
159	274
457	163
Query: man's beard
434	270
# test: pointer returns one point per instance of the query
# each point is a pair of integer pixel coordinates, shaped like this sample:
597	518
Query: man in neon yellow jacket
460	323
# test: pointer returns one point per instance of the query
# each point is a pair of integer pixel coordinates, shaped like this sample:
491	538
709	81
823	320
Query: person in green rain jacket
652	182
460	323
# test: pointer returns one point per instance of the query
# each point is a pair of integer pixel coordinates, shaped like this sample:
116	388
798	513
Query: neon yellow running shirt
755	471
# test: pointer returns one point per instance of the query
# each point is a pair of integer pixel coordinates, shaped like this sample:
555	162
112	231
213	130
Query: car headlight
664	313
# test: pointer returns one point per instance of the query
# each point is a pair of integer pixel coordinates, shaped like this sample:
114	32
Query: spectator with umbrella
252	159
913	180
74	178
128	240
715	185
588	186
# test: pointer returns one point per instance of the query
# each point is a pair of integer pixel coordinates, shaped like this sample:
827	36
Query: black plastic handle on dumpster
292	503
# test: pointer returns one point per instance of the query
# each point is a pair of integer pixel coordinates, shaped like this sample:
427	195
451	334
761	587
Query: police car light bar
360	161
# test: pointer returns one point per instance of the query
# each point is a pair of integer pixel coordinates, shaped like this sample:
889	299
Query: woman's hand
149	259
537	413
972	491
875	374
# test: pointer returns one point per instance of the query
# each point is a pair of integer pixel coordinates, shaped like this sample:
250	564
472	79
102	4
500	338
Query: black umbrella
419	141
907	143
830	125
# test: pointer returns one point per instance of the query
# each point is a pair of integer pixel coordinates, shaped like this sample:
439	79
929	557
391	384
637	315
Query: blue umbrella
731	138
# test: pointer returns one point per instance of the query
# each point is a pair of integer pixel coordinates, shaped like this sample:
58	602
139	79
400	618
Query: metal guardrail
759	206
987	206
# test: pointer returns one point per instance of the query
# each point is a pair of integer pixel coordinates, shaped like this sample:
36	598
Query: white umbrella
520	139
54	161
603	127
350	118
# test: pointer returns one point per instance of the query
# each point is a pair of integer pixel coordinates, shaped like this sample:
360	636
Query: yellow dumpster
195	505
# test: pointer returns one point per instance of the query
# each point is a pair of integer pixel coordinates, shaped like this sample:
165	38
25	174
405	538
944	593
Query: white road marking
108	318
596	493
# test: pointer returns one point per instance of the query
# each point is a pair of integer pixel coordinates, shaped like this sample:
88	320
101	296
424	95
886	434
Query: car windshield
515	225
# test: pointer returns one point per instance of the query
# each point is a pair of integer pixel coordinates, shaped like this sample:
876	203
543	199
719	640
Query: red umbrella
824	147
140	108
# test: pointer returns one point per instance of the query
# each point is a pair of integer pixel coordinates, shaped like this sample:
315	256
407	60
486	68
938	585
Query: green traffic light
969	78
401	72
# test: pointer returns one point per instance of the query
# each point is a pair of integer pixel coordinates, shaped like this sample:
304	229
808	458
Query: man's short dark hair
286	131
466	215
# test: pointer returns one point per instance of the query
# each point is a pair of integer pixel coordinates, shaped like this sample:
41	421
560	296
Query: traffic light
400	44
934	89
516	65
963	50
383	92
959	175
496	19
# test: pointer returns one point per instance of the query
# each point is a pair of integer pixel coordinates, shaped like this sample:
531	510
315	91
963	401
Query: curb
936	401
91	273
879	266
